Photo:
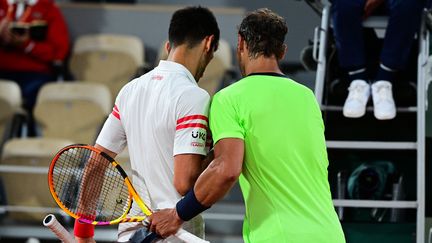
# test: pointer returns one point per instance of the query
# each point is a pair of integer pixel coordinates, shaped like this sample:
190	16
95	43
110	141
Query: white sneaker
382	96
358	96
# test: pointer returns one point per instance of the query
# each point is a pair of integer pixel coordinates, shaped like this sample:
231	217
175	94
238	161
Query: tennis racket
92	187
51	222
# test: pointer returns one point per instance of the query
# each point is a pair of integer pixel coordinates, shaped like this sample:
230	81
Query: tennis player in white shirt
162	117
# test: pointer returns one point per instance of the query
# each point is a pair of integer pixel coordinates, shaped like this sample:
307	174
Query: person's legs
404	21
30	84
347	23
348	30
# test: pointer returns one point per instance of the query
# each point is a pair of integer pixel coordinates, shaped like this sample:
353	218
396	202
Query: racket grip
51	222
188	237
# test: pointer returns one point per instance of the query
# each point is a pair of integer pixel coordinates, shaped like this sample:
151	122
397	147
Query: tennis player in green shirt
268	133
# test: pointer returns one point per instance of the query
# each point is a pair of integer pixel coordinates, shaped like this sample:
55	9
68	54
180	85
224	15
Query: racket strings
89	185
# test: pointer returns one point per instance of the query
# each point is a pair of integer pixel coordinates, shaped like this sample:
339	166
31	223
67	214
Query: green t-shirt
284	178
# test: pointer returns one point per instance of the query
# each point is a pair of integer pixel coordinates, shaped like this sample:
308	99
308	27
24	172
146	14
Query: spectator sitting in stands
33	37
404	21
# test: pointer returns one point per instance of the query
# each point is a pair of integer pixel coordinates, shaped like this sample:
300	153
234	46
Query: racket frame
181	233
132	192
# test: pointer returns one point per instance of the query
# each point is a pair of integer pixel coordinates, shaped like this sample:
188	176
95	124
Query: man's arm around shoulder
211	186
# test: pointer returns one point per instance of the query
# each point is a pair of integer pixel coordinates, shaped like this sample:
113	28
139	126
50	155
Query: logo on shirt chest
157	77
199	135
37	15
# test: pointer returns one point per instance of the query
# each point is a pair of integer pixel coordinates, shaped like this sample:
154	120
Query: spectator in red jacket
33	37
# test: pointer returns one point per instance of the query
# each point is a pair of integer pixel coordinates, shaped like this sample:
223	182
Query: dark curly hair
264	32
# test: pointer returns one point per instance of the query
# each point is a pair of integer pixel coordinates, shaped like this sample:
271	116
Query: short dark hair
264	32
191	25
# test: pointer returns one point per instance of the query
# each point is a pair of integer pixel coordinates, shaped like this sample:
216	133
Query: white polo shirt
158	115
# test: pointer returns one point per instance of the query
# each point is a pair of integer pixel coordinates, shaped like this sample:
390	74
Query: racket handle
188	237
51	222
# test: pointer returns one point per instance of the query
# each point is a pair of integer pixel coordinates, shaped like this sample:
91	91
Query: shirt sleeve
191	135
225	121
113	135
